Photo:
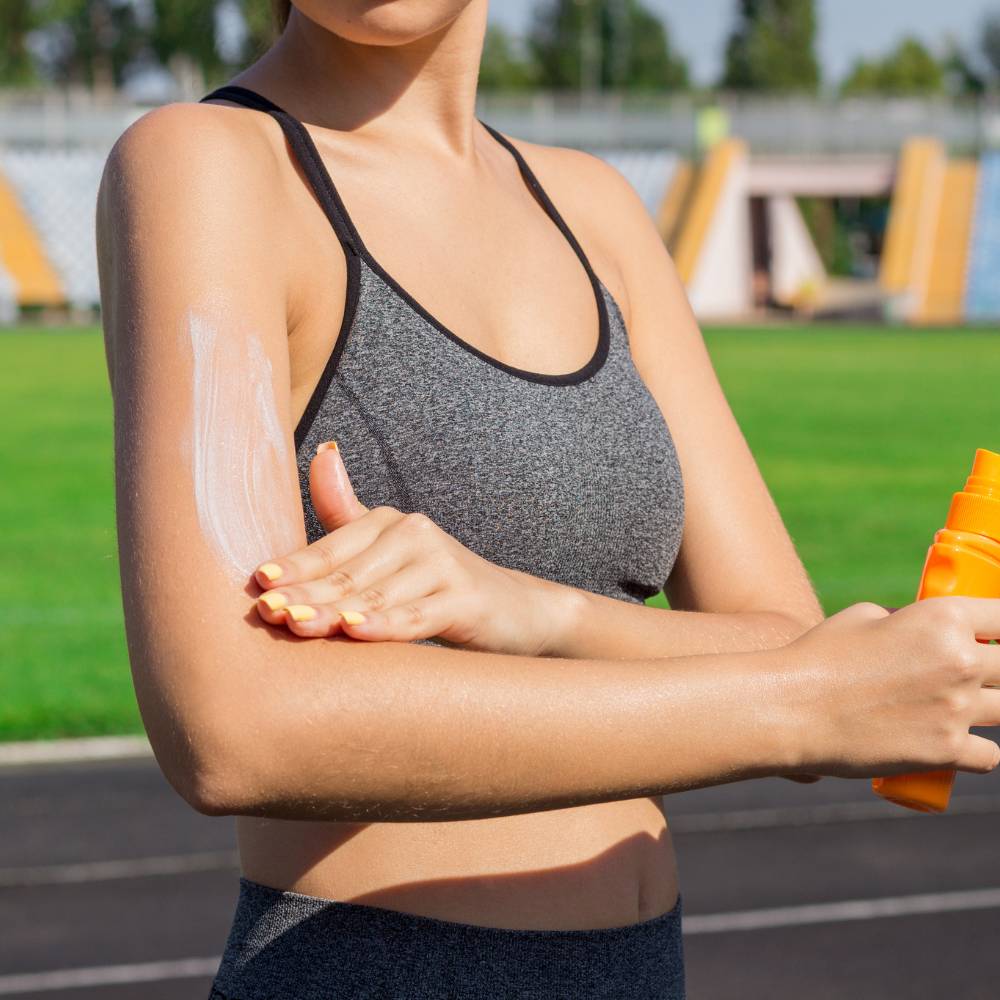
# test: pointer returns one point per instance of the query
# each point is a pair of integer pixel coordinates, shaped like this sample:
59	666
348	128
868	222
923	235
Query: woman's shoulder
187	212
186	153
576	177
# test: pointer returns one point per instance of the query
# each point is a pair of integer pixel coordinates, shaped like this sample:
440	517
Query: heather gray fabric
573	478
577	483
289	946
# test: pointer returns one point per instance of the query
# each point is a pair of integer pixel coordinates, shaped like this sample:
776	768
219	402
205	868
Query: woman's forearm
394	732
585	625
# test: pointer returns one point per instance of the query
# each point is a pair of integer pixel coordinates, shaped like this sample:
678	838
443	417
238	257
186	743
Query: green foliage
186	29
909	69
975	72
962	78
500	67
17	19
94	39
847	232
261	29
773	47
603	45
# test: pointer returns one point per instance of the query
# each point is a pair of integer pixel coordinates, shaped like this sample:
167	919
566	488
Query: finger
803	779
330	489
979	755
423	618
365	583
981	613
311	622
989	660
326	554
270	606
987	710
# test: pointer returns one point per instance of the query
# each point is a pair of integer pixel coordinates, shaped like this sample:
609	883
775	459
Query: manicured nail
300	612
271	571
327	446
273	599
352	617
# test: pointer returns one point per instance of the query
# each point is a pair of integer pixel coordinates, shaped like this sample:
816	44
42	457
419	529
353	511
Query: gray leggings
289	946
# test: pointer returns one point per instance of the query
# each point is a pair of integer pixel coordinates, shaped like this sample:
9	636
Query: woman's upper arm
736	554
193	307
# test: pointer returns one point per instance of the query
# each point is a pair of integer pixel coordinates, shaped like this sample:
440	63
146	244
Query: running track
112	888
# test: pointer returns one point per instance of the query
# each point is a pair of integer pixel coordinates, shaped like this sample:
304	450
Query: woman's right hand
884	694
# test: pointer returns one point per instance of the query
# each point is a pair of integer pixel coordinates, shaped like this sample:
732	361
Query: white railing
770	124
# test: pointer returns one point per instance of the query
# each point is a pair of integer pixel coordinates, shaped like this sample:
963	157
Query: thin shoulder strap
535	185
308	157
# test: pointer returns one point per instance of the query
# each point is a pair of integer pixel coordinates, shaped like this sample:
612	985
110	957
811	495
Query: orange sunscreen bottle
963	561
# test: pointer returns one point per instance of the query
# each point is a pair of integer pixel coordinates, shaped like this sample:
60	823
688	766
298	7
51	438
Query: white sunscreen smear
238	450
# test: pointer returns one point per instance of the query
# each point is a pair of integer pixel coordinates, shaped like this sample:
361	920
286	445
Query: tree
963	77
90	41
500	67
18	18
908	69
184	32
773	47
603	44
989	42
261	29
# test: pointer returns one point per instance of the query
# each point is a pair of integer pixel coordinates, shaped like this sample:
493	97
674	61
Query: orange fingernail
273	599
327	446
300	612
352	617
271	571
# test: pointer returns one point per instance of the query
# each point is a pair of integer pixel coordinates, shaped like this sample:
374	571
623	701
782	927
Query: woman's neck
391	89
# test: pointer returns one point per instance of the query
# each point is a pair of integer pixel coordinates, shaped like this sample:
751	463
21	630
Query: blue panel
648	171
982	290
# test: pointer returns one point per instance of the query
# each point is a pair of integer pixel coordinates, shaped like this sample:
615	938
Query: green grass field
862	436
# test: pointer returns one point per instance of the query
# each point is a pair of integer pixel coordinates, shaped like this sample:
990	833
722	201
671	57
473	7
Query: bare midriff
609	864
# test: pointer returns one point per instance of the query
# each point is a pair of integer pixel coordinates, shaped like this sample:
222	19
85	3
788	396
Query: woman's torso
573	478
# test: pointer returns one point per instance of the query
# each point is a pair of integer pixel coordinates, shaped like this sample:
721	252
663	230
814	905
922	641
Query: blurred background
826	175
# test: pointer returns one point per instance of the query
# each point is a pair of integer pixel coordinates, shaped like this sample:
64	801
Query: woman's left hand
383	575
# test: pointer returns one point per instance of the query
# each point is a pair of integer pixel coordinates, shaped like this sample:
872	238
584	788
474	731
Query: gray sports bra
572	478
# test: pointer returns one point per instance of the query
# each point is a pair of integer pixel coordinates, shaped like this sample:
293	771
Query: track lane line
101	871
17	754
821	815
851	909
108	975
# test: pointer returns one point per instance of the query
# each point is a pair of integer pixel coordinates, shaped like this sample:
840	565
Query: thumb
332	495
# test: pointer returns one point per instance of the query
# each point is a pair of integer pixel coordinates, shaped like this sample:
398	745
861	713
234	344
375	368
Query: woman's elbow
793	622
207	764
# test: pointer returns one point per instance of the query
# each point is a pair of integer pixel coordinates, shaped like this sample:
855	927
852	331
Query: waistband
289	946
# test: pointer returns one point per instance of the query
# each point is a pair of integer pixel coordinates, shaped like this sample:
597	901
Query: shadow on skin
511	900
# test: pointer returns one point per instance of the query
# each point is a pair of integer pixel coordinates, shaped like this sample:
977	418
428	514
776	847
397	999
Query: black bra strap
535	185
319	177
308	157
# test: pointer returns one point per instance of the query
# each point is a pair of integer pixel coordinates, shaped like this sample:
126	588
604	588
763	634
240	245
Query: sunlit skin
407	577
507	788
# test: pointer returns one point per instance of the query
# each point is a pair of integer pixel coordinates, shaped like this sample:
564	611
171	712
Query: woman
460	794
